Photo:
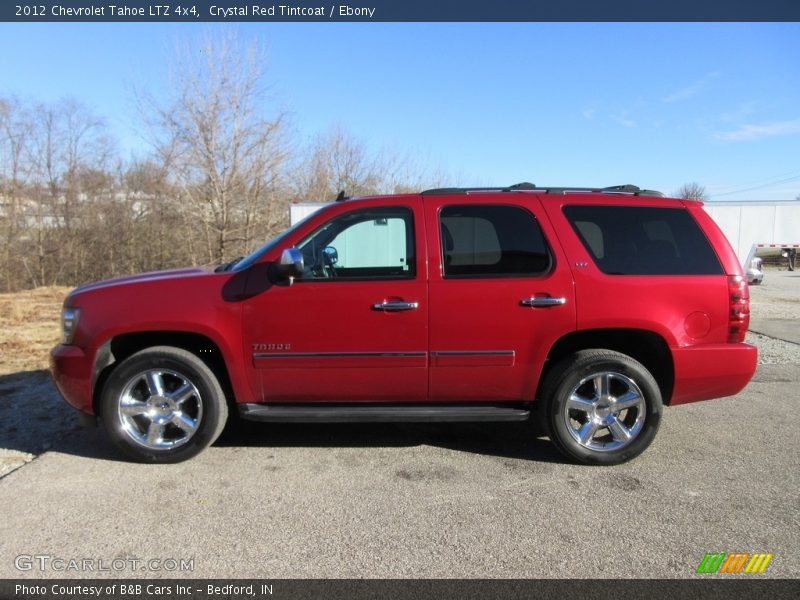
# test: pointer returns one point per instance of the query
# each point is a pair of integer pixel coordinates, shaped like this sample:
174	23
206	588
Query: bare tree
224	152
66	140
217	184
336	162
692	191
14	132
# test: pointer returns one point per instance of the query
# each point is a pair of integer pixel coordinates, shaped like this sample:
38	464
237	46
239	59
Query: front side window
374	243
491	240
639	240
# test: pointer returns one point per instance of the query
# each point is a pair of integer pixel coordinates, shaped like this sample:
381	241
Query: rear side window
491	241
637	240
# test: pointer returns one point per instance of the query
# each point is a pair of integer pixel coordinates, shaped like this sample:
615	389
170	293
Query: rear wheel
163	405
601	407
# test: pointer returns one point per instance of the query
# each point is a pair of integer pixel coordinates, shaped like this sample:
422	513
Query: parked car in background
755	271
588	308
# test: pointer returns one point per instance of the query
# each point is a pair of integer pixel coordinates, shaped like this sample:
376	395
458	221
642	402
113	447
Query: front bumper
71	369
711	371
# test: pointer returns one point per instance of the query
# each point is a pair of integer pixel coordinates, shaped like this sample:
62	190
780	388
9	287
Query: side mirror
291	264
331	256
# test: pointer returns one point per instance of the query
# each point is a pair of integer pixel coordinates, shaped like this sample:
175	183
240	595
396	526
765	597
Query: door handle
542	301
395	305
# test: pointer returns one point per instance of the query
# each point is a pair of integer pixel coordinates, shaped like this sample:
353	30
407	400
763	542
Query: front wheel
163	405
601	407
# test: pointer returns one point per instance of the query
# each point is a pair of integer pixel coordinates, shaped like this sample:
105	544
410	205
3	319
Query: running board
337	413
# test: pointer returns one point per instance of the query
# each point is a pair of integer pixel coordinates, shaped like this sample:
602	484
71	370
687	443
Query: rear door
500	294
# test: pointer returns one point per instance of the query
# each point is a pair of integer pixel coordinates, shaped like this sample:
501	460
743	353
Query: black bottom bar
383	589
354	413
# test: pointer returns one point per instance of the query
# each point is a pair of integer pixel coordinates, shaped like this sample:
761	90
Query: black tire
174	425
573	410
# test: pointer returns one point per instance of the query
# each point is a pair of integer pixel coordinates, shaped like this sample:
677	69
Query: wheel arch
121	346
647	347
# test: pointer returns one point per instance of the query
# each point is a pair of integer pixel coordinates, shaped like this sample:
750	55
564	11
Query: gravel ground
435	500
393	500
33	418
778	297
772	351
776	301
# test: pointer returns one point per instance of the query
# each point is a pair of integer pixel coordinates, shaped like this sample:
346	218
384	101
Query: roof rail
529	187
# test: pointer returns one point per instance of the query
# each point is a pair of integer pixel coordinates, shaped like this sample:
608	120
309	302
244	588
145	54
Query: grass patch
29	328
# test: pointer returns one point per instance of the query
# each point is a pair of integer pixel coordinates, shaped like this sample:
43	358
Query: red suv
591	308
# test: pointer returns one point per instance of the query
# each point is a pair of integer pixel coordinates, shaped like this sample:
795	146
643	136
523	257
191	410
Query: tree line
216	182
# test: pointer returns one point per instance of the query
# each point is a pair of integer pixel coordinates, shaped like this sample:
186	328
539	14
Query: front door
354	327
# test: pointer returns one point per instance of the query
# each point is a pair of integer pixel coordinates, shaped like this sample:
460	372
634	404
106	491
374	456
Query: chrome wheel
160	409
605	411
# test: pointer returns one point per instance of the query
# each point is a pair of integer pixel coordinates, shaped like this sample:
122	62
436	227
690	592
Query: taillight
739	316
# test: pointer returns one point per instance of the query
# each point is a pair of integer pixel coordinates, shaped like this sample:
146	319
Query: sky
577	104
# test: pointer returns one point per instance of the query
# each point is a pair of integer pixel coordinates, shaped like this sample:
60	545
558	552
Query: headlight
69	322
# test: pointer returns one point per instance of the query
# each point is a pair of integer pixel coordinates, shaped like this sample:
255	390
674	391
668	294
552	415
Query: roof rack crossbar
529	187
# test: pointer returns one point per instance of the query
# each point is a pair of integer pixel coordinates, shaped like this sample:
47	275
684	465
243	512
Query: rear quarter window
638	240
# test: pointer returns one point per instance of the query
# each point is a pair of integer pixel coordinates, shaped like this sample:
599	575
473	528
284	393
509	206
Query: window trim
551	261
596	262
411	240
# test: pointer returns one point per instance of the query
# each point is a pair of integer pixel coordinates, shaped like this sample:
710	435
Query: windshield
254	257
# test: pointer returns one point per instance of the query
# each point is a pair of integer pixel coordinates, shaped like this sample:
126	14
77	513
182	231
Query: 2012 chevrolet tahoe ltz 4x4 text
591	308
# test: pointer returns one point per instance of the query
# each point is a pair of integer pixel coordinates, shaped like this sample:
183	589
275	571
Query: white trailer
752	225
300	210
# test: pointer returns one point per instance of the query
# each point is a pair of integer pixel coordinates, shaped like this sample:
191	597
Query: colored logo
734	562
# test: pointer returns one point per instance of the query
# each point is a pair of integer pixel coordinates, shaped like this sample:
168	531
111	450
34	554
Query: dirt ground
29	328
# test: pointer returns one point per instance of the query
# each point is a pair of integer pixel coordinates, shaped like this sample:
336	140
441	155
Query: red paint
468	339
